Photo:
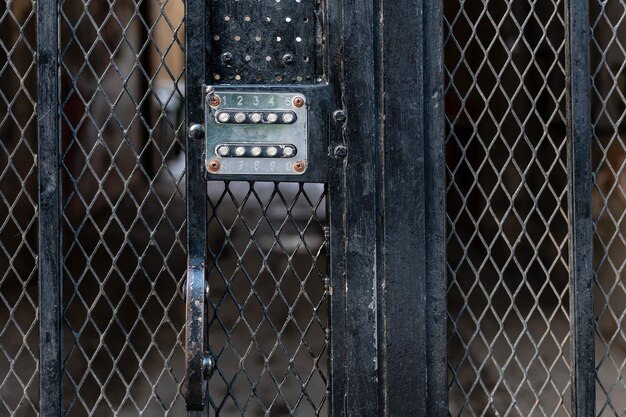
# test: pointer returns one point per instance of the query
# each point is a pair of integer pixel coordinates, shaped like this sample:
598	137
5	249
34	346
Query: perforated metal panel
268	42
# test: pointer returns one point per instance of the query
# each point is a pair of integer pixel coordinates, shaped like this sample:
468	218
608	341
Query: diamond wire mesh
608	78
269	309
19	334
507	209
123	206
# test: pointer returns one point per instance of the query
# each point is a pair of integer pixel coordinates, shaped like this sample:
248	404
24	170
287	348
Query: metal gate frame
386	211
382	269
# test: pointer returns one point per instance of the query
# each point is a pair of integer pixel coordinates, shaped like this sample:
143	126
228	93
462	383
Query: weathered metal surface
326	293
273	42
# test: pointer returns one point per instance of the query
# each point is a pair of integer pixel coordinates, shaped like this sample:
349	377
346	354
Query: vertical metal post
196	187
358	217
435	211
404	310
49	209
413	188
580	221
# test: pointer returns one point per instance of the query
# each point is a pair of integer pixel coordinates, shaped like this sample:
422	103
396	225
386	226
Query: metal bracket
198	363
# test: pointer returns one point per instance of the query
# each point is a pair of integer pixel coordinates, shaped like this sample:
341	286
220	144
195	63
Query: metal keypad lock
256	133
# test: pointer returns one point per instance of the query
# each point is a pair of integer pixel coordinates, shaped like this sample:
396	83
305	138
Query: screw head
215	100
299	166
340	152
196	131
288	59
214	165
298	101
339	116
228	58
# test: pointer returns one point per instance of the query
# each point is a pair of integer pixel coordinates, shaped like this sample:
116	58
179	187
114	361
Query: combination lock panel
256	133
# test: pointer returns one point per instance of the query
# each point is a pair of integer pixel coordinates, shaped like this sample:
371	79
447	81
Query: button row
277	117
255	151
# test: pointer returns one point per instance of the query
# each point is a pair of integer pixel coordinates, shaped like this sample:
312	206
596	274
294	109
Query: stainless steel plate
256	133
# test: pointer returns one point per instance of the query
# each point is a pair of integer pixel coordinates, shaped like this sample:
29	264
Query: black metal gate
312	208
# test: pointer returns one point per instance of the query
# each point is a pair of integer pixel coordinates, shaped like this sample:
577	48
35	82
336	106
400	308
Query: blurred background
123	172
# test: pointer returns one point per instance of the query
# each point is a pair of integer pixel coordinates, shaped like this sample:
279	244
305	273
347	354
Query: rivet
272	151
208	366
272	118
228	58
196	131
340	152
339	116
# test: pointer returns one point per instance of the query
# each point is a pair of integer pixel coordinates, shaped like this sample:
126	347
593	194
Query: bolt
340	152
214	165
196	131
215	100
298	101
288	59
228	58
299	166
339	117
208	365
